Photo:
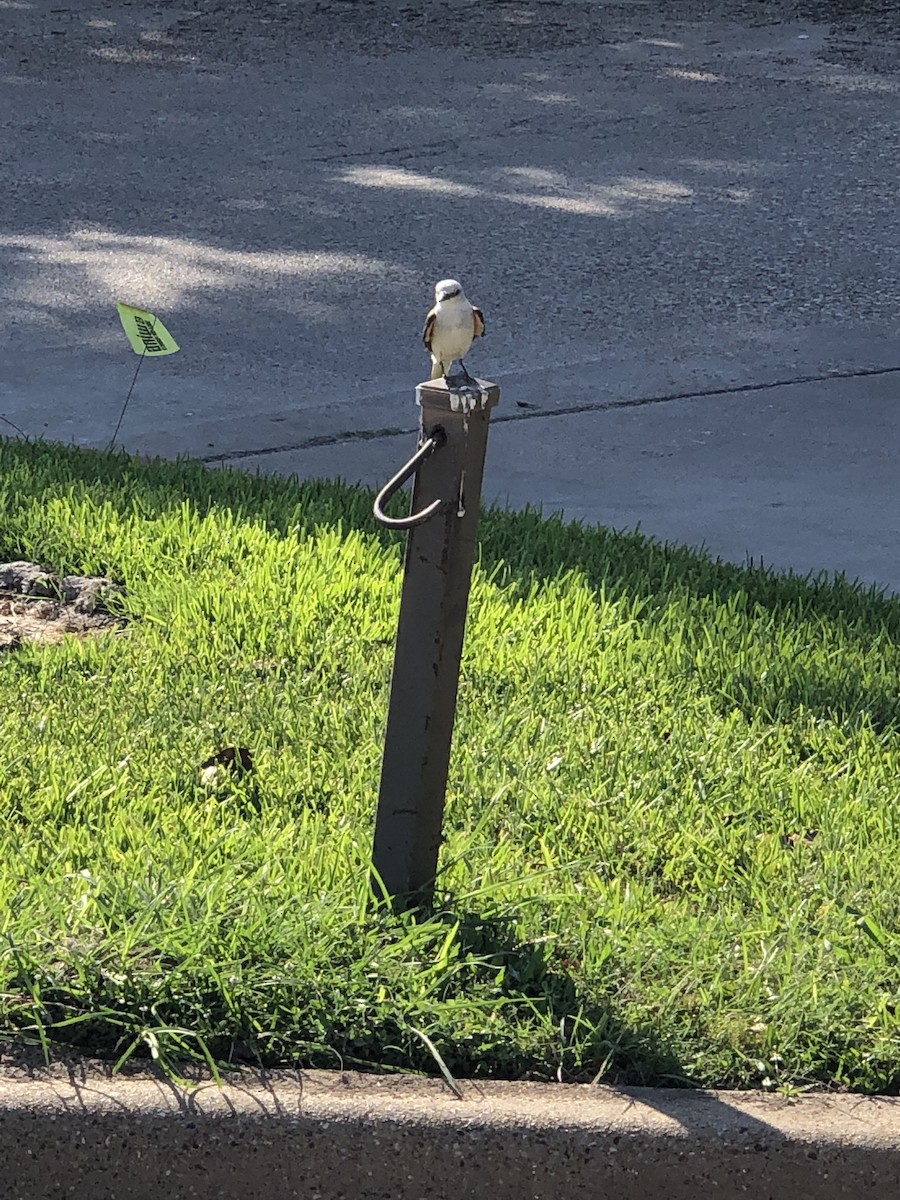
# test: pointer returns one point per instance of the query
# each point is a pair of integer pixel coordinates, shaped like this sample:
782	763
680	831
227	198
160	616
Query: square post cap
466	397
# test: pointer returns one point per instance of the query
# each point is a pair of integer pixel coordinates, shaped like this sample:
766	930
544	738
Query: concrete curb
327	1136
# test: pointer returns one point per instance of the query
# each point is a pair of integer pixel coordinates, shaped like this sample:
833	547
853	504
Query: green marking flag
147	334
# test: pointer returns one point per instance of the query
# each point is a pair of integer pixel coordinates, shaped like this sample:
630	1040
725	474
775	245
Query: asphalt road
685	235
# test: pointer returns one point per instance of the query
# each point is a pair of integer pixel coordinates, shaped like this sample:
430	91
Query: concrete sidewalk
335	1136
801	476
646	206
682	224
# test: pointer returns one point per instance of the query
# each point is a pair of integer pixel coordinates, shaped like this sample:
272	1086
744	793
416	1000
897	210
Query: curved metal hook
428	447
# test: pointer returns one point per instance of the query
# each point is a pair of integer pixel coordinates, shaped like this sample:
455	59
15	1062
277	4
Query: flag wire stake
130	390
112	440
13	425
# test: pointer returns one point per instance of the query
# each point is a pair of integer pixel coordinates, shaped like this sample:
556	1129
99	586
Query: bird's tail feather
437	369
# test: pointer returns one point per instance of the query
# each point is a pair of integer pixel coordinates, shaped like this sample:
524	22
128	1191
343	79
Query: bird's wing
428	331
478	319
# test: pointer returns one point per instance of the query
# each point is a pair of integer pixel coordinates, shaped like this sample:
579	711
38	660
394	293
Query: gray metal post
437	574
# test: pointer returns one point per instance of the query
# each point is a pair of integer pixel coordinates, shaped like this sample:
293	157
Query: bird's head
447	289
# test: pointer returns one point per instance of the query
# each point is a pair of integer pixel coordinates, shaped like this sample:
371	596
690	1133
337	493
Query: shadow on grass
521	550
644	1072
558	1027
572	1025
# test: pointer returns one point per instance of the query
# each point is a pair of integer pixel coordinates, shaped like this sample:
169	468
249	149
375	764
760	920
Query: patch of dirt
22	1058
39	606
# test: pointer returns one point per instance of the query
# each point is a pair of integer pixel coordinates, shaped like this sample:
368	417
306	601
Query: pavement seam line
367	435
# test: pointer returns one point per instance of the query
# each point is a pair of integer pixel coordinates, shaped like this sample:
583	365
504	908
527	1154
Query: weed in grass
671	835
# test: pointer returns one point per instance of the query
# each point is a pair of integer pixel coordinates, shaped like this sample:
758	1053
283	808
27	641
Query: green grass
673	844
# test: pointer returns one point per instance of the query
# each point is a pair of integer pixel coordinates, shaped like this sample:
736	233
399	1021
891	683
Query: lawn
672	839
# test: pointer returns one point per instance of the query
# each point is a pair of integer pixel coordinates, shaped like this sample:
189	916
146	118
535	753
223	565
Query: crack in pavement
322	439
366	435
641	401
425	149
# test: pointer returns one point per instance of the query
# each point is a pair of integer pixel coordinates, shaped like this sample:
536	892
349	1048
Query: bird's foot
466	393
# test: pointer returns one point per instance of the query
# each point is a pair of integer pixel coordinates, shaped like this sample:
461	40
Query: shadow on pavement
164	158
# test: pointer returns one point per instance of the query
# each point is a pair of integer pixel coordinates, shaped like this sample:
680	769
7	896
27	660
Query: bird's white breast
453	328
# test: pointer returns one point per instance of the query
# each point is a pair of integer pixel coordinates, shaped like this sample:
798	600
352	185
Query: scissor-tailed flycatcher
451	327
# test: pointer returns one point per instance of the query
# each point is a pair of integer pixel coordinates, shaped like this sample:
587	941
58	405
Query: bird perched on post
450	328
